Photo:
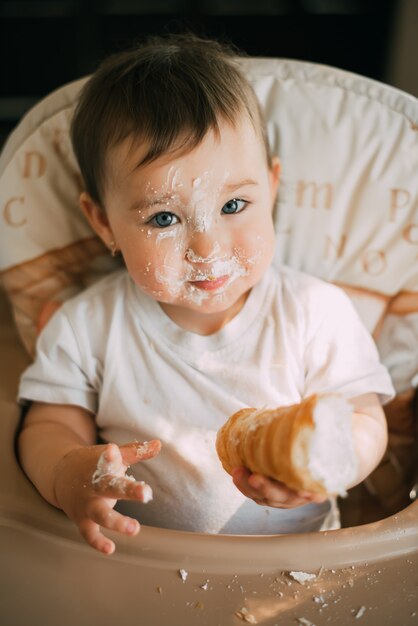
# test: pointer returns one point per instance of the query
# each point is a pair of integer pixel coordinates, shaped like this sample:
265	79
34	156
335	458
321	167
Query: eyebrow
147	203
241	183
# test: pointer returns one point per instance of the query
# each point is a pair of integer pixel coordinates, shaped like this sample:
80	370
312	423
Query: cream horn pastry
308	446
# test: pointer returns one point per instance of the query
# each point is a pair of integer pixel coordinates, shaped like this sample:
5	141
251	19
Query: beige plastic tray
48	576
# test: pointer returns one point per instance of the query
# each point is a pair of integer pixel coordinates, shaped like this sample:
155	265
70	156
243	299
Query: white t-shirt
113	351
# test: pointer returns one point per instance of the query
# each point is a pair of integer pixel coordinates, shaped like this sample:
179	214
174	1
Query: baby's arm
57	452
370	440
370	434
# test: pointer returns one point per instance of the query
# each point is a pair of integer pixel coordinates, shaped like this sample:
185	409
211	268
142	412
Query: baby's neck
203	323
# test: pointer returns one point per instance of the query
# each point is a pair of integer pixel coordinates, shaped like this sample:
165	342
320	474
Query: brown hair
168	92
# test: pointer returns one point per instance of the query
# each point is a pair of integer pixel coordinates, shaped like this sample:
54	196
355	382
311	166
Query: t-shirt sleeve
340	354
57	375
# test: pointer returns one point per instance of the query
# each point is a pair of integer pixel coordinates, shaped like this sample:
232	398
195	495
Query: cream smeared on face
199	233
202	208
202	212
166	234
199	284
195	258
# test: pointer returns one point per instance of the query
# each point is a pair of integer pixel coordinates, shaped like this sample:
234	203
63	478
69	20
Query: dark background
44	44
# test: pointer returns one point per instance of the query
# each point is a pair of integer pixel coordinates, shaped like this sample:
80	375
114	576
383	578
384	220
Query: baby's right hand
268	492
90	480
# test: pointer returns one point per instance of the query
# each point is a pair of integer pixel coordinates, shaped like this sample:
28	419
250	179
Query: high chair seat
347	212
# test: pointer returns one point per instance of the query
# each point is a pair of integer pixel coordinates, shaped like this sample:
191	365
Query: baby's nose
203	249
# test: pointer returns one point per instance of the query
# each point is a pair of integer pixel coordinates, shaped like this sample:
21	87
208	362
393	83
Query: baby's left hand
268	492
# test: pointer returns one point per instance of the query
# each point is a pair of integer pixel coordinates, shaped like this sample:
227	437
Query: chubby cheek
153	267
255	249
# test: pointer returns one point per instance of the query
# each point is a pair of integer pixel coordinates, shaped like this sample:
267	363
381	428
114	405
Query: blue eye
164	219
234	206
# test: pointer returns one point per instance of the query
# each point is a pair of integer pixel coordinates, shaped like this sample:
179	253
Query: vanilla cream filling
332	457
202	207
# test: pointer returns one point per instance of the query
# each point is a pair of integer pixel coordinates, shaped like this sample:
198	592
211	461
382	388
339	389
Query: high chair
347	212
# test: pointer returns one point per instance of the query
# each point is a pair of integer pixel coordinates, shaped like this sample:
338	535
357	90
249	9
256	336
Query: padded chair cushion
347	212
347	207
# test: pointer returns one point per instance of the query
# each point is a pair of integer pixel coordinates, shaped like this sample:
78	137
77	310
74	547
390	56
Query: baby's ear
97	218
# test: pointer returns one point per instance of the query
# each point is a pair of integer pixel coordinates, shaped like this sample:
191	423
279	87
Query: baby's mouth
219	276
201	277
209	282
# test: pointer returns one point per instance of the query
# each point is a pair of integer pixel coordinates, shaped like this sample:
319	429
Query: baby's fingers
240	476
265	491
123	488
106	517
139	451
102	516
273	493
90	531
110	481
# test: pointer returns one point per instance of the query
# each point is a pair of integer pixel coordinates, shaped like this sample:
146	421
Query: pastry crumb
246	616
302	577
318	599
183	574
360	612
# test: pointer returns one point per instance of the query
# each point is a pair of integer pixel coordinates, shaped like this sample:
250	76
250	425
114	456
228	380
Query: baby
180	181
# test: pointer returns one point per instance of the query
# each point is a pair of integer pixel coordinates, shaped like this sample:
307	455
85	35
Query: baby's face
195	229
